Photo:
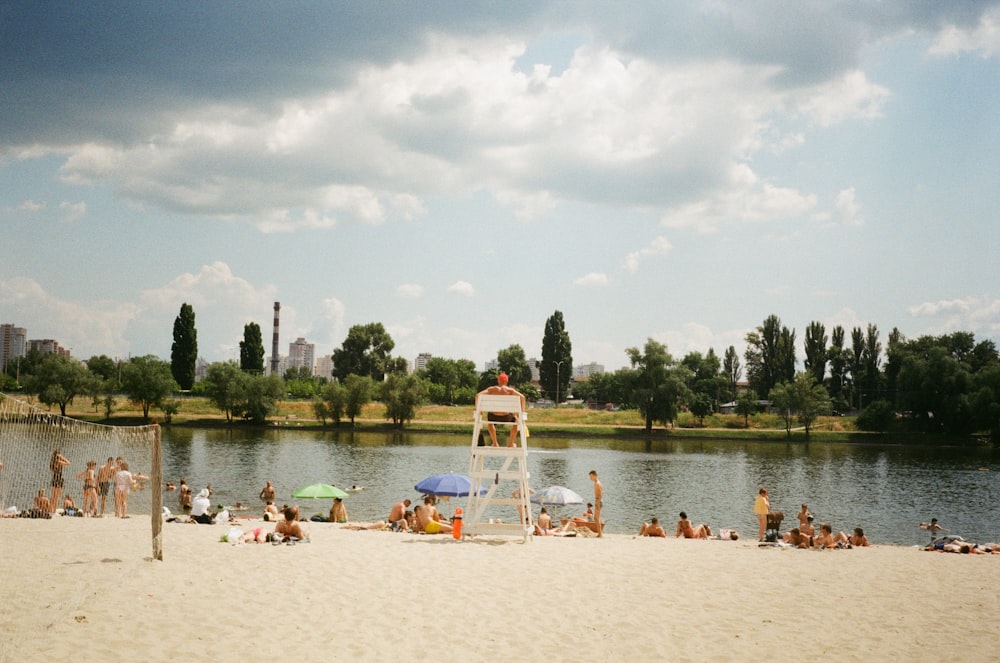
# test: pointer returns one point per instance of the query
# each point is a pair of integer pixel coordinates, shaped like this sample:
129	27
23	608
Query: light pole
558	364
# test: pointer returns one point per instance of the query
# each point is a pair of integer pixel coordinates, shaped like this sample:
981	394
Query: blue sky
678	171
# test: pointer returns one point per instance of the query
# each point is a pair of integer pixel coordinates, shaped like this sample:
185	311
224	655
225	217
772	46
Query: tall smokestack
274	341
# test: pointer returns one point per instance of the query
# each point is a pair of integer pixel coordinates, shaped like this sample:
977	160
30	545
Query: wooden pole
156	485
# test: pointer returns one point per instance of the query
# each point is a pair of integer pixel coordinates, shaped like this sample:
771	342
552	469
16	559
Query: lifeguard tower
499	473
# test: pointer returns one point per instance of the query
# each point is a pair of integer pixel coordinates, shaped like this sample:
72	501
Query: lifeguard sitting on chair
501	389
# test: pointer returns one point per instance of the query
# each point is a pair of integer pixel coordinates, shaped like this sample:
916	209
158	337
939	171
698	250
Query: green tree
877	417
838	356
770	355
261	397
782	398
147	381
893	362
365	351
701	407
252	349
557	358
815	350
58	379
856	361
226	387
360	389
184	351
810	400
871	358
447	377
746	405
705	376
656	391
106	370
401	395
512	361
732	370
333	398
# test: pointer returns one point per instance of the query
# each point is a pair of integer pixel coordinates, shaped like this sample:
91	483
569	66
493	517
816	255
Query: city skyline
676	171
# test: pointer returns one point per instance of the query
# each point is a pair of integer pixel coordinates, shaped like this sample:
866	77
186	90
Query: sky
460	171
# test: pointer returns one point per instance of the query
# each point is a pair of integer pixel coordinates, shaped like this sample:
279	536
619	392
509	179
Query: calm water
886	490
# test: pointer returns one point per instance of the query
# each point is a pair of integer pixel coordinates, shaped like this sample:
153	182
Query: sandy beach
77	587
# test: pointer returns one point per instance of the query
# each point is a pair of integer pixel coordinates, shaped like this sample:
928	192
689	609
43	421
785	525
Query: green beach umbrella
319	491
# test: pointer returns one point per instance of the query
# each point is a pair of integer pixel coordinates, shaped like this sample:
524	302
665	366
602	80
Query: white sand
85	589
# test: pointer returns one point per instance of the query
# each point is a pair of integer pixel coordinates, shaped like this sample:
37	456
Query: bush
877	417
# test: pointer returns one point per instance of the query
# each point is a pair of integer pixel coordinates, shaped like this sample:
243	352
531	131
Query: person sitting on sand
69	506
397	515
796	538
501	388
427	524
858	539
271	512
685	529
42	502
653	528
338	512
543	526
809	529
827	539
290	527
201	508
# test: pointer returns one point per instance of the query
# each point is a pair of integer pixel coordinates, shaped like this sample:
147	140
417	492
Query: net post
156	481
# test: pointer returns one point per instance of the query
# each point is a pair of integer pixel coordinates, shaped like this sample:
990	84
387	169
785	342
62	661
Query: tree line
944	384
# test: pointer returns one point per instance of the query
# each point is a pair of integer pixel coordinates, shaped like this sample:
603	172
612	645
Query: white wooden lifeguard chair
502	471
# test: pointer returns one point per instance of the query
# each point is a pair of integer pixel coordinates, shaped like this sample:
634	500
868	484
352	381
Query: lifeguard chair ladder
502	471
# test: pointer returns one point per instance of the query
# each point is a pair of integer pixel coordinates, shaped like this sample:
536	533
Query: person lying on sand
290	526
685	529
653	528
858	539
796	538
827	539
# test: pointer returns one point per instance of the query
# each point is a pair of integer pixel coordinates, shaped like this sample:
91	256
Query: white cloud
972	313
410	291
984	37
848	209
659	246
30	206
463	288
851	96
73	211
592	279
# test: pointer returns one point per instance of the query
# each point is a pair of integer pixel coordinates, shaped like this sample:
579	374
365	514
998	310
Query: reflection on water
885	490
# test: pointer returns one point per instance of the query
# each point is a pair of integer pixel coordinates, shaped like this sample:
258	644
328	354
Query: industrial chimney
275	361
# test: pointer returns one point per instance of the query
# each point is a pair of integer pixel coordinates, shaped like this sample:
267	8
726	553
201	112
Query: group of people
806	536
98	482
685	529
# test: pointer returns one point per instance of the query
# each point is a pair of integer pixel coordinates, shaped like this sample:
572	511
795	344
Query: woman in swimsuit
123	486
89	488
685	529
56	464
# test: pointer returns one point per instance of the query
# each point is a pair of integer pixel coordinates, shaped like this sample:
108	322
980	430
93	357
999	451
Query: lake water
887	490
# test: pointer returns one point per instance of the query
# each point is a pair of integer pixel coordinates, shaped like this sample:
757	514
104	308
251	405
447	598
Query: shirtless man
858	539
796	538
426	522
397	515
290	526
803	516
104	475
685	529
653	528
267	492
501	388
42	503
598	502
543	526
808	528
828	539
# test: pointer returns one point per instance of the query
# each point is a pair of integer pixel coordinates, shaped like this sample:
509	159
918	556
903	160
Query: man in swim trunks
104	475
426	522
598	502
501	388
653	528
397	516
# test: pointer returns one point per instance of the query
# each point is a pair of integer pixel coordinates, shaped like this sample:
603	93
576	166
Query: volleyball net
29	436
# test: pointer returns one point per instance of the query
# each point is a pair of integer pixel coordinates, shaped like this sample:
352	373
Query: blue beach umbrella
447	485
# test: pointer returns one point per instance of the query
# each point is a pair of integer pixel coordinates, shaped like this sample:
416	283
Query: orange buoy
456	524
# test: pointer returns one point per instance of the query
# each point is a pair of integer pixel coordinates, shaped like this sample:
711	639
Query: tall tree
365	351
147	381
857	363
732	370
184	351
872	355
770	355
837	355
252	349
513	362
401	395
815	349
893	362
655	390
557	358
